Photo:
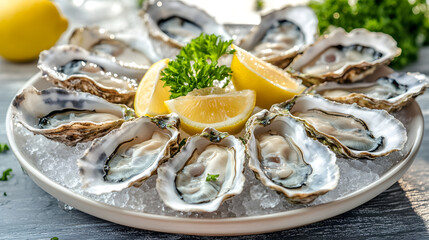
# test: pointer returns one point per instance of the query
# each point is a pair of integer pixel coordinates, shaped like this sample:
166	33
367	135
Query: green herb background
407	21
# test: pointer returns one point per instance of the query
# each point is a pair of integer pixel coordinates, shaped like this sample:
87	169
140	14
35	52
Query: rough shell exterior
56	99
304	17
325	173
416	85
51	60
352	72
165	183
379	122
92	164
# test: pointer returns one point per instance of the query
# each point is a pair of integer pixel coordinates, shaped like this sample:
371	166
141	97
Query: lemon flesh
27	27
151	93
227	112
271	84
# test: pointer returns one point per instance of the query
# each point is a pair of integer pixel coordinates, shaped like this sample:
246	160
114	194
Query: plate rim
215	227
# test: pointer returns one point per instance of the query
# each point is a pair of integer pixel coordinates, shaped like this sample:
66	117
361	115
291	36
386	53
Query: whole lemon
27	27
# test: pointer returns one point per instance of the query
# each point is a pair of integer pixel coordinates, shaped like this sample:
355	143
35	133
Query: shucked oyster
390	93
347	129
68	116
344	57
206	171
173	24
282	34
285	159
130	154
128	49
75	68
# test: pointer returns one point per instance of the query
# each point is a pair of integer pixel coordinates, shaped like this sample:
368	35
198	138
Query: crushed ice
58	162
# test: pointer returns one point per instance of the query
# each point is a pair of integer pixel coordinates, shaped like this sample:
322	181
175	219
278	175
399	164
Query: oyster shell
390	93
206	171
172	24
285	159
130	154
348	130
67	116
282	34
75	68
130	50
344	57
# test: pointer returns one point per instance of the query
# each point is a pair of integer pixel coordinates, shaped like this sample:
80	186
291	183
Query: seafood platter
347	137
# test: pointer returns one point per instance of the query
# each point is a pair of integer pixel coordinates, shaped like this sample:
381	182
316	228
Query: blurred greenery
407	21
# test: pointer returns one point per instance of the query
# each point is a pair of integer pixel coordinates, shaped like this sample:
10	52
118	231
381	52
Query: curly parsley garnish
6	174
3	147
212	177
196	66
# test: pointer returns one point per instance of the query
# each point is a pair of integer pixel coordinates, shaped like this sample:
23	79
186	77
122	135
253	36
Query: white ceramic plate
224	226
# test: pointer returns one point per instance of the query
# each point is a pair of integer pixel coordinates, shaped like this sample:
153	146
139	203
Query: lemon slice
226	112
150	95
271	84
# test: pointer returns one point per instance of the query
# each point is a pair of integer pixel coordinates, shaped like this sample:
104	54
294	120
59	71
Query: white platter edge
225	226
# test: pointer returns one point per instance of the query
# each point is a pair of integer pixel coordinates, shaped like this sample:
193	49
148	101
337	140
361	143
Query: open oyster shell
344	57
285	159
349	130
67	116
172	24
75	68
282	34
130	154
207	170
390	93
129	50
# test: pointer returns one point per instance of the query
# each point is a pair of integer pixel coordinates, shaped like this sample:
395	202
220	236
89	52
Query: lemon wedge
224	111
151	93
271	84
27	27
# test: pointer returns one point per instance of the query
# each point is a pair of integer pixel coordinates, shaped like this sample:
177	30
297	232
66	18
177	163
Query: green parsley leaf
54	238
211	177
3	147
196	66
406	21
5	194
6	174
259	4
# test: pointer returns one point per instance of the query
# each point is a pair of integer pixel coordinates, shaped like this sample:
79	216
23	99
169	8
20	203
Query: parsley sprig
196	66
211	177
6	175
3	147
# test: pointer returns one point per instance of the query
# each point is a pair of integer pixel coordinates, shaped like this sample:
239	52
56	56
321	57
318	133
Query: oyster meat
128	49
206	171
172	24
390	93
75	68
348	130
344	57
282	34
129	155
285	159
67	116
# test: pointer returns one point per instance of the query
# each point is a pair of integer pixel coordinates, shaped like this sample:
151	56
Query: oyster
344	57
282	34
75	68
68	116
128	155
390	93
348	130
172	24
285	159
206	171
128	49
